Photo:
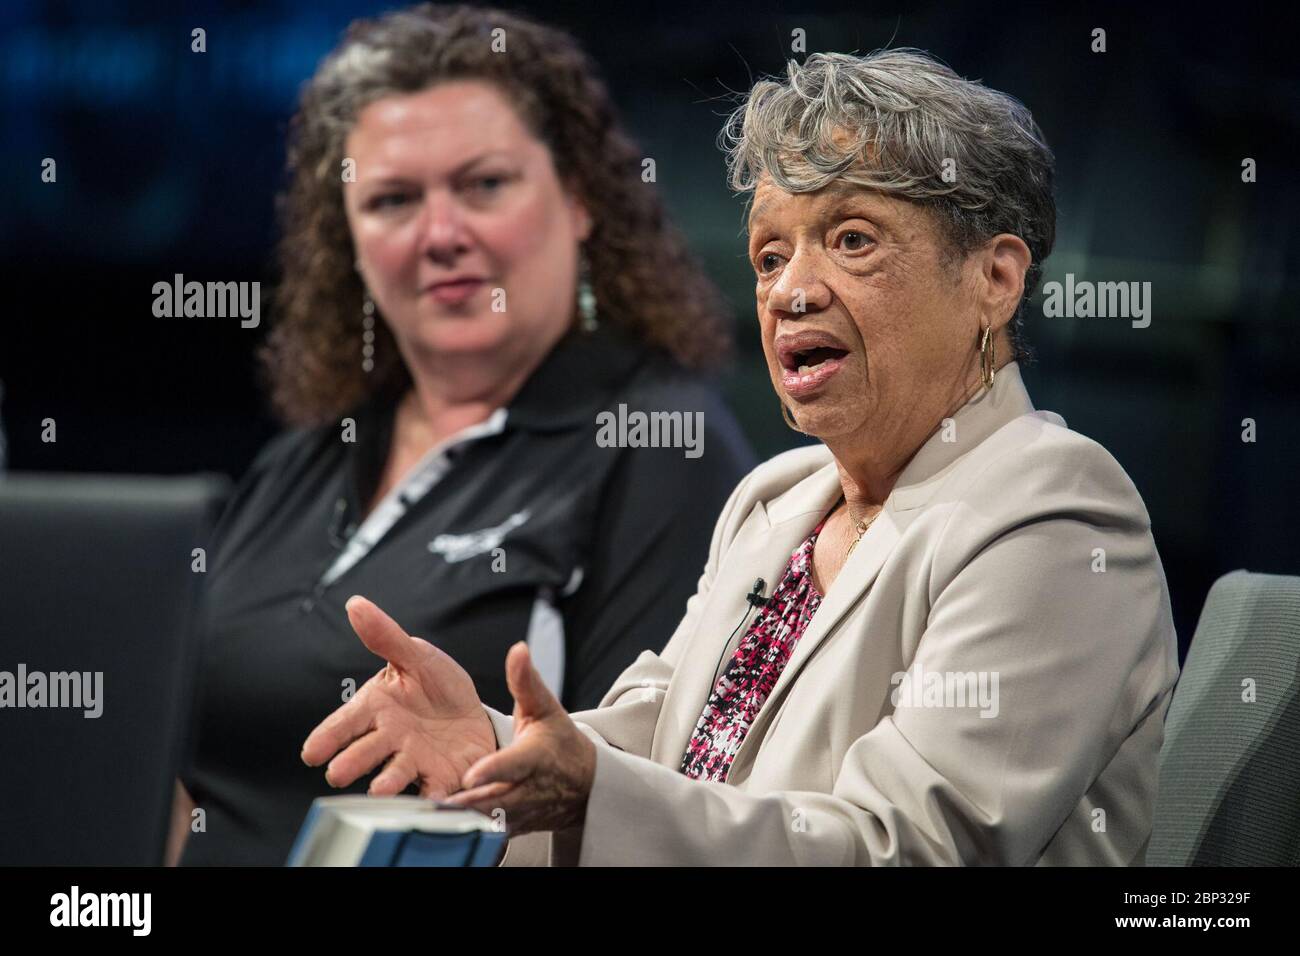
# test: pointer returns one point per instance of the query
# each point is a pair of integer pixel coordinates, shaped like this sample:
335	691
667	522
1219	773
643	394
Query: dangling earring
586	295
987	356
789	419
367	333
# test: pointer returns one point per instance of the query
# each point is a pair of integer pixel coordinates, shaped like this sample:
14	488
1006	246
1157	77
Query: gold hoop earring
789	419
988	356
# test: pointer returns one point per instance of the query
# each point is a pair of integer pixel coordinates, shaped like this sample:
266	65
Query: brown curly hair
312	358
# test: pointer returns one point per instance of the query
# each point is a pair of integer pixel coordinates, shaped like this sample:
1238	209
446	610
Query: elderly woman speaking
955	642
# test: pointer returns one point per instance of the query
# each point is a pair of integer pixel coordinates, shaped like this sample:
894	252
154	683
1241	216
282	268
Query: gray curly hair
894	121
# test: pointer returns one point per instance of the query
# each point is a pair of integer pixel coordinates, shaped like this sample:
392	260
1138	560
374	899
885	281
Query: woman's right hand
422	711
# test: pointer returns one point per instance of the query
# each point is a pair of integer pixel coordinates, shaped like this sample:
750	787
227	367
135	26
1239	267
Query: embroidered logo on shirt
458	547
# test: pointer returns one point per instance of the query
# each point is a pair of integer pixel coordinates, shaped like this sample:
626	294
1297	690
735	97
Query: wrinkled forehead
768	198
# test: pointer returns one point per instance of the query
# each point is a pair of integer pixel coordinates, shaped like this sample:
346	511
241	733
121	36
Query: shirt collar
368	455
576	380
573	383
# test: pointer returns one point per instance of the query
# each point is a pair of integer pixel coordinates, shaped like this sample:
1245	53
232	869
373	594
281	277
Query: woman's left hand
543	778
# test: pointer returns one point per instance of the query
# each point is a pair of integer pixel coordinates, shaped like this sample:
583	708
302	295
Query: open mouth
806	361
807	365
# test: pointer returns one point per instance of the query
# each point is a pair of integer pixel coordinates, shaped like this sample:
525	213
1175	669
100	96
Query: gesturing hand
421	710
543	778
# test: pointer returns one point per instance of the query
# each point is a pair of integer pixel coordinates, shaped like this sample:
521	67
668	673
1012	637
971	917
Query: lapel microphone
755	599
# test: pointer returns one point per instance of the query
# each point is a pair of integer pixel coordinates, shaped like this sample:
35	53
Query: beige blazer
1012	576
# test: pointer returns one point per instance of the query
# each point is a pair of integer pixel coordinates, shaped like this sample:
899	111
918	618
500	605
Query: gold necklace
861	529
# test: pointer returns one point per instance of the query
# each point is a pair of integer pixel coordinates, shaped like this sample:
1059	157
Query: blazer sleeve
1080	656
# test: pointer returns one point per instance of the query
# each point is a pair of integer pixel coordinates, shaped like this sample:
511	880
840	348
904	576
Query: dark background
168	162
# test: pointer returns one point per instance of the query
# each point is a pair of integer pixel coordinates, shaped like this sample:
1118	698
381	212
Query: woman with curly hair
476	282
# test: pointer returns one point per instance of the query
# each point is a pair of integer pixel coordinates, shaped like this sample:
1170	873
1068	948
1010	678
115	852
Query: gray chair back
1229	785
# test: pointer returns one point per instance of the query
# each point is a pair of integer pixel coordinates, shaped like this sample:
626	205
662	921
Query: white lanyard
426	473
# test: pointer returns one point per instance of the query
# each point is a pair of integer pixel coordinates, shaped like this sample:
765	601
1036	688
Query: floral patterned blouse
754	668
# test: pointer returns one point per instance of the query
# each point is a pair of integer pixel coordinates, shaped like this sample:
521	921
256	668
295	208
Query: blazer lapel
849	587
760	549
979	418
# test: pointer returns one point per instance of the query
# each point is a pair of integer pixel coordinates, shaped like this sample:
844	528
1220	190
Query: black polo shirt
531	526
